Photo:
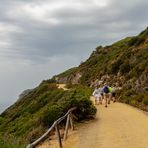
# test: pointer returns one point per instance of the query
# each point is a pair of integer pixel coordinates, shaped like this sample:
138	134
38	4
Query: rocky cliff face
73	79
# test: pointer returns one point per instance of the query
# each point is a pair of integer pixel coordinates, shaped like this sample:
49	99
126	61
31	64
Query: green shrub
35	134
79	97
86	79
145	100
85	109
1	120
133	102
133	41
140	41
6	144
51	114
139	97
125	99
136	41
129	92
125	67
115	66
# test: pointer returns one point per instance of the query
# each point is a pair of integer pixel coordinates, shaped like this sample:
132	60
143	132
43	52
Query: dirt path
62	86
118	126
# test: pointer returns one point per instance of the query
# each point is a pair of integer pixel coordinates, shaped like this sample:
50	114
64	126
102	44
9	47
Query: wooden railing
56	127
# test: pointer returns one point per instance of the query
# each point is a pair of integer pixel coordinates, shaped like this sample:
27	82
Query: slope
34	113
123	64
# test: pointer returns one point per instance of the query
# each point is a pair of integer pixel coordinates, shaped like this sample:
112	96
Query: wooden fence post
71	122
70	118
66	128
29	146
59	136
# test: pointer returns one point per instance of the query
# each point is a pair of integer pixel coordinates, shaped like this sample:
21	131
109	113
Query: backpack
106	89
110	89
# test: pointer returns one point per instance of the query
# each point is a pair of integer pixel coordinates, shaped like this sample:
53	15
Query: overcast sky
40	38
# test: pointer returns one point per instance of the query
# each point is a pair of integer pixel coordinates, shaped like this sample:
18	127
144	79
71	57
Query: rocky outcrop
24	93
73	78
76	78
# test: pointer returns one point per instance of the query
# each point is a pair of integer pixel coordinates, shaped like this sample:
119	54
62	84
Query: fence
55	126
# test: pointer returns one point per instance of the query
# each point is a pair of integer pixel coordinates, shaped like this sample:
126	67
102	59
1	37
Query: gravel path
118	126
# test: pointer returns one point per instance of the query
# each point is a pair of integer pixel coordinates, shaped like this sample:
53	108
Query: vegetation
122	63
28	118
68	73
12	144
135	98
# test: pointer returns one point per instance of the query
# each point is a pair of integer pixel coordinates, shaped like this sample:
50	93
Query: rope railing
55	126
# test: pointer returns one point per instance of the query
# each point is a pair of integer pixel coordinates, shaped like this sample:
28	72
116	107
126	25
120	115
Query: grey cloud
78	30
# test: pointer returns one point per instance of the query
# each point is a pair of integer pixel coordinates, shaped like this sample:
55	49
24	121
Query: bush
129	92
139	97
145	100
51	114
125	67
133	41
126	99
1	120
115	66
136	41
6	144
79	97
85	109
86	78
35	134
140	41
133	102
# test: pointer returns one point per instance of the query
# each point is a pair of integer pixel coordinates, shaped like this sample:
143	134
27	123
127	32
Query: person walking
106	94
113	94
97	95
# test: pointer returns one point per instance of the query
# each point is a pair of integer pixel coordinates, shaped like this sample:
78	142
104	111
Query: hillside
123	64
127	57
34	113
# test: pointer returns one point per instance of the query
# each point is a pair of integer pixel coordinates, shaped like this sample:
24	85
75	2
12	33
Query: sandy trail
62	86
118	126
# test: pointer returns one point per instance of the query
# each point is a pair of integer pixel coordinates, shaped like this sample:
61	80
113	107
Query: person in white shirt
97	95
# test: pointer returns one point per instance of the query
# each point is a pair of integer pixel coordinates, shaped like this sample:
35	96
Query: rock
24	93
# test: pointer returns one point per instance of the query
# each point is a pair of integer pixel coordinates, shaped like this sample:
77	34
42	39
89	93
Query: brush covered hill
35	112
123	64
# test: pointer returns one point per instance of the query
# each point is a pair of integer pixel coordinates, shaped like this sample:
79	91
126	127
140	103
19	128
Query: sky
41	38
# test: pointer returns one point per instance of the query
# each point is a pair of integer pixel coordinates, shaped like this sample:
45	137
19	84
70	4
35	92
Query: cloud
41	38
39	29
